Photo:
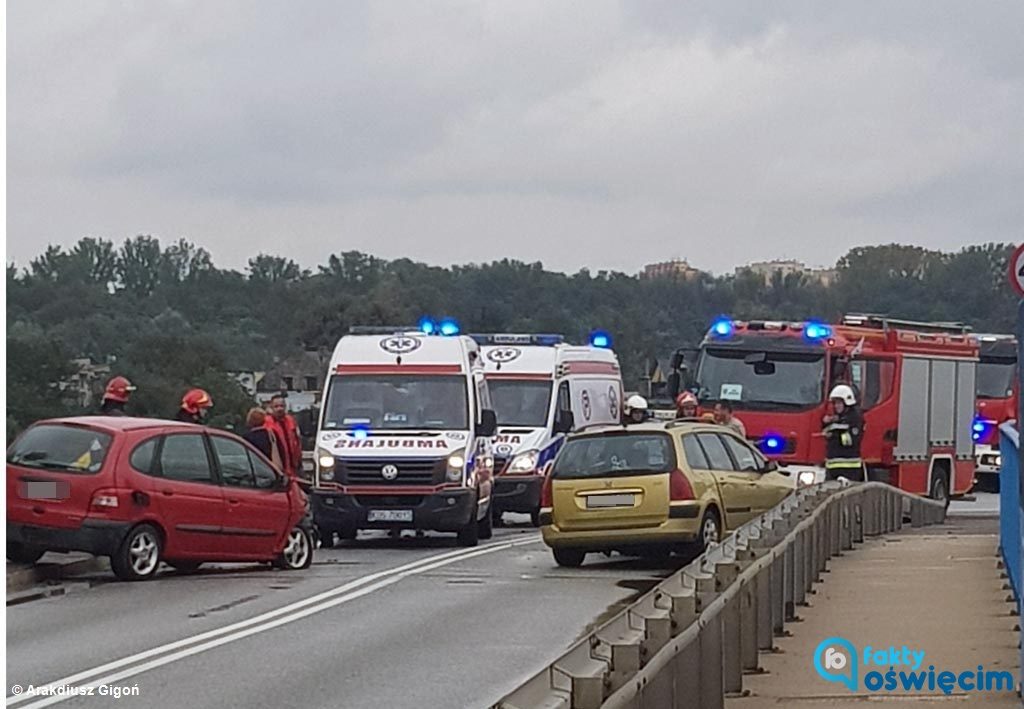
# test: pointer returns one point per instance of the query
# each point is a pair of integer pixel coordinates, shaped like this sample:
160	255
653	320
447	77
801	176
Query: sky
593	134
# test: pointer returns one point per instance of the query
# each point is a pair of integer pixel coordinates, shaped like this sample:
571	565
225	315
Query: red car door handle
232	501
167	492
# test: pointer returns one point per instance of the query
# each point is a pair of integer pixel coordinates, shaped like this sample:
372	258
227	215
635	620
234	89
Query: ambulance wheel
469	536
485	527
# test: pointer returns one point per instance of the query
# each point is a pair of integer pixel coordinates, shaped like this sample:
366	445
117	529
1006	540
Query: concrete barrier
689	641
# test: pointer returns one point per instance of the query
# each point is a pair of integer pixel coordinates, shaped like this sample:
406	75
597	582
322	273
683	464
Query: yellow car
653	488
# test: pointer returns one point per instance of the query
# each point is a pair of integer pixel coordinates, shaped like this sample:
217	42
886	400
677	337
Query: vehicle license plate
389	516
599	501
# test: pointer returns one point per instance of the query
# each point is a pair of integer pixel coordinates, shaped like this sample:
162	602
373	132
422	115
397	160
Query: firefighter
194	406
843	430
635	410
115	397
686	405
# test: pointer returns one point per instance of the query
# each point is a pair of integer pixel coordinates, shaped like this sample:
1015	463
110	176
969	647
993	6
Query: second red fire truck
915	383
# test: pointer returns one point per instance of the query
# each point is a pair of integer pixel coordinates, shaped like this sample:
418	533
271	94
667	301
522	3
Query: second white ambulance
541	389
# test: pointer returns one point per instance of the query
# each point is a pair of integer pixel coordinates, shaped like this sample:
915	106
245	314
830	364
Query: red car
142	491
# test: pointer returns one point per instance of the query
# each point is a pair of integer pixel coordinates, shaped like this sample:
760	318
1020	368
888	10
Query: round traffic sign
1017	270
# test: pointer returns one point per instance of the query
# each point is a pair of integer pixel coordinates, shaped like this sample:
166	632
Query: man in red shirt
287	432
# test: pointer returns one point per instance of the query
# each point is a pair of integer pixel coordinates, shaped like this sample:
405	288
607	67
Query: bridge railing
688	641
1011	515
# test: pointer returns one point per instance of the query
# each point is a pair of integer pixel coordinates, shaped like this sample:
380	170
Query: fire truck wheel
940	491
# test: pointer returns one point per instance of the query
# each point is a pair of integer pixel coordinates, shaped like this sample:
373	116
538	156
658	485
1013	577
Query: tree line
170	318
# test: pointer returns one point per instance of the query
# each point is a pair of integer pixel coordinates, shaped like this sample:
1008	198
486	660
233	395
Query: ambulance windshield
761	380
519	402
397	402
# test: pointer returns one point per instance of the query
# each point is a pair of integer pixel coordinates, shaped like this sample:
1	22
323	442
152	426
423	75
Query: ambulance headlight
806	478
456	465
325	464
525	462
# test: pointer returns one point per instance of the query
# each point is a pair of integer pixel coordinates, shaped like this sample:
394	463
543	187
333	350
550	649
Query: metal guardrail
1011	516
688	641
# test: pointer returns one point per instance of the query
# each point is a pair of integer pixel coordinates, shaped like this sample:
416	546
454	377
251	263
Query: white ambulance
541	389
405	436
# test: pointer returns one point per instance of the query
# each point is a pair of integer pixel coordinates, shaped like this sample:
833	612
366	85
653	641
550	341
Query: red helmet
195	400
118	389
687	398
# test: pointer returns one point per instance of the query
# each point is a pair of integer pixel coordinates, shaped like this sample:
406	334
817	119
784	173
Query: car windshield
520	402
615	454
398	401
995	379
762	380
73	449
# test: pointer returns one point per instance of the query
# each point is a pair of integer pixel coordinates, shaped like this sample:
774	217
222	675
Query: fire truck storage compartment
912	440
936	407
966	373
943	399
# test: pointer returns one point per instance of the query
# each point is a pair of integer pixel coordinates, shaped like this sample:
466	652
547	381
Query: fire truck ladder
884	322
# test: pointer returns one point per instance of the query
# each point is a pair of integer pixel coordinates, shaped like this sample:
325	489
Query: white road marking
236	631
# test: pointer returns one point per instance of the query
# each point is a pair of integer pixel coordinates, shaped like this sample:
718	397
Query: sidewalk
25	581
935	589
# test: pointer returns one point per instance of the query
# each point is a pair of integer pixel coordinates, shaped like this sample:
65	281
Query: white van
405	437
542	389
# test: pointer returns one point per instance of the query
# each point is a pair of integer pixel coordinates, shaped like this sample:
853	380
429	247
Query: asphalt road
381	623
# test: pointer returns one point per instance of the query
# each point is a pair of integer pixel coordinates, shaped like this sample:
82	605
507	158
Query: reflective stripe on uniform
843	463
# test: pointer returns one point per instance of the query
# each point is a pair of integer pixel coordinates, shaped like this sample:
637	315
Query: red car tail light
546	498
104	500
679	487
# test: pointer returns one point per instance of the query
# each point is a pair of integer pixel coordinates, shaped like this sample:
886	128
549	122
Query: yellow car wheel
571	558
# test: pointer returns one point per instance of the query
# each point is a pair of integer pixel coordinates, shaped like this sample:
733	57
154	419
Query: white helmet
844	393
636	402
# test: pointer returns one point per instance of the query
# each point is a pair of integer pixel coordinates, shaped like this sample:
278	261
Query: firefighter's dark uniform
842	446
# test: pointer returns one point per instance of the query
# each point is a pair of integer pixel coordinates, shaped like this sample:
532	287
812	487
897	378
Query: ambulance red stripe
591	368
398	369
519	375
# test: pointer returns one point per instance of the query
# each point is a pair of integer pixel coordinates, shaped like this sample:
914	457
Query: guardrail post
857	520
764	588
916	513
749	625
586	675
712	692
732	650
845	524
782	590
689	678
680	599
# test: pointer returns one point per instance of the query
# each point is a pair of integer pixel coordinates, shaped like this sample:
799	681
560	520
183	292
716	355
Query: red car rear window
60	447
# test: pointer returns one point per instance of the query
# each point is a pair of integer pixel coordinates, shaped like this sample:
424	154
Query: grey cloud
554	131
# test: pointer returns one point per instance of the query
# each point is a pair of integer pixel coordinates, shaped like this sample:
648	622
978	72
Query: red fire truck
998	391
915	383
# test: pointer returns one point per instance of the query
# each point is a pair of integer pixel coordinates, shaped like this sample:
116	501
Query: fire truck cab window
873	380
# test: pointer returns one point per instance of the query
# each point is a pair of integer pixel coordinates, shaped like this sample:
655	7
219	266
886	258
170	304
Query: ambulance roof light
449	327
600	338
723	327
427	326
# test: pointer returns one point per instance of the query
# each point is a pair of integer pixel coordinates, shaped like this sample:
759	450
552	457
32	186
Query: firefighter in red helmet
194	406
115	397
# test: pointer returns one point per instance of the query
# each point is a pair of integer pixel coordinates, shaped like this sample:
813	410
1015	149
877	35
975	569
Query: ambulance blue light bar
601	339
449	327
723	327
427	326
511	338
